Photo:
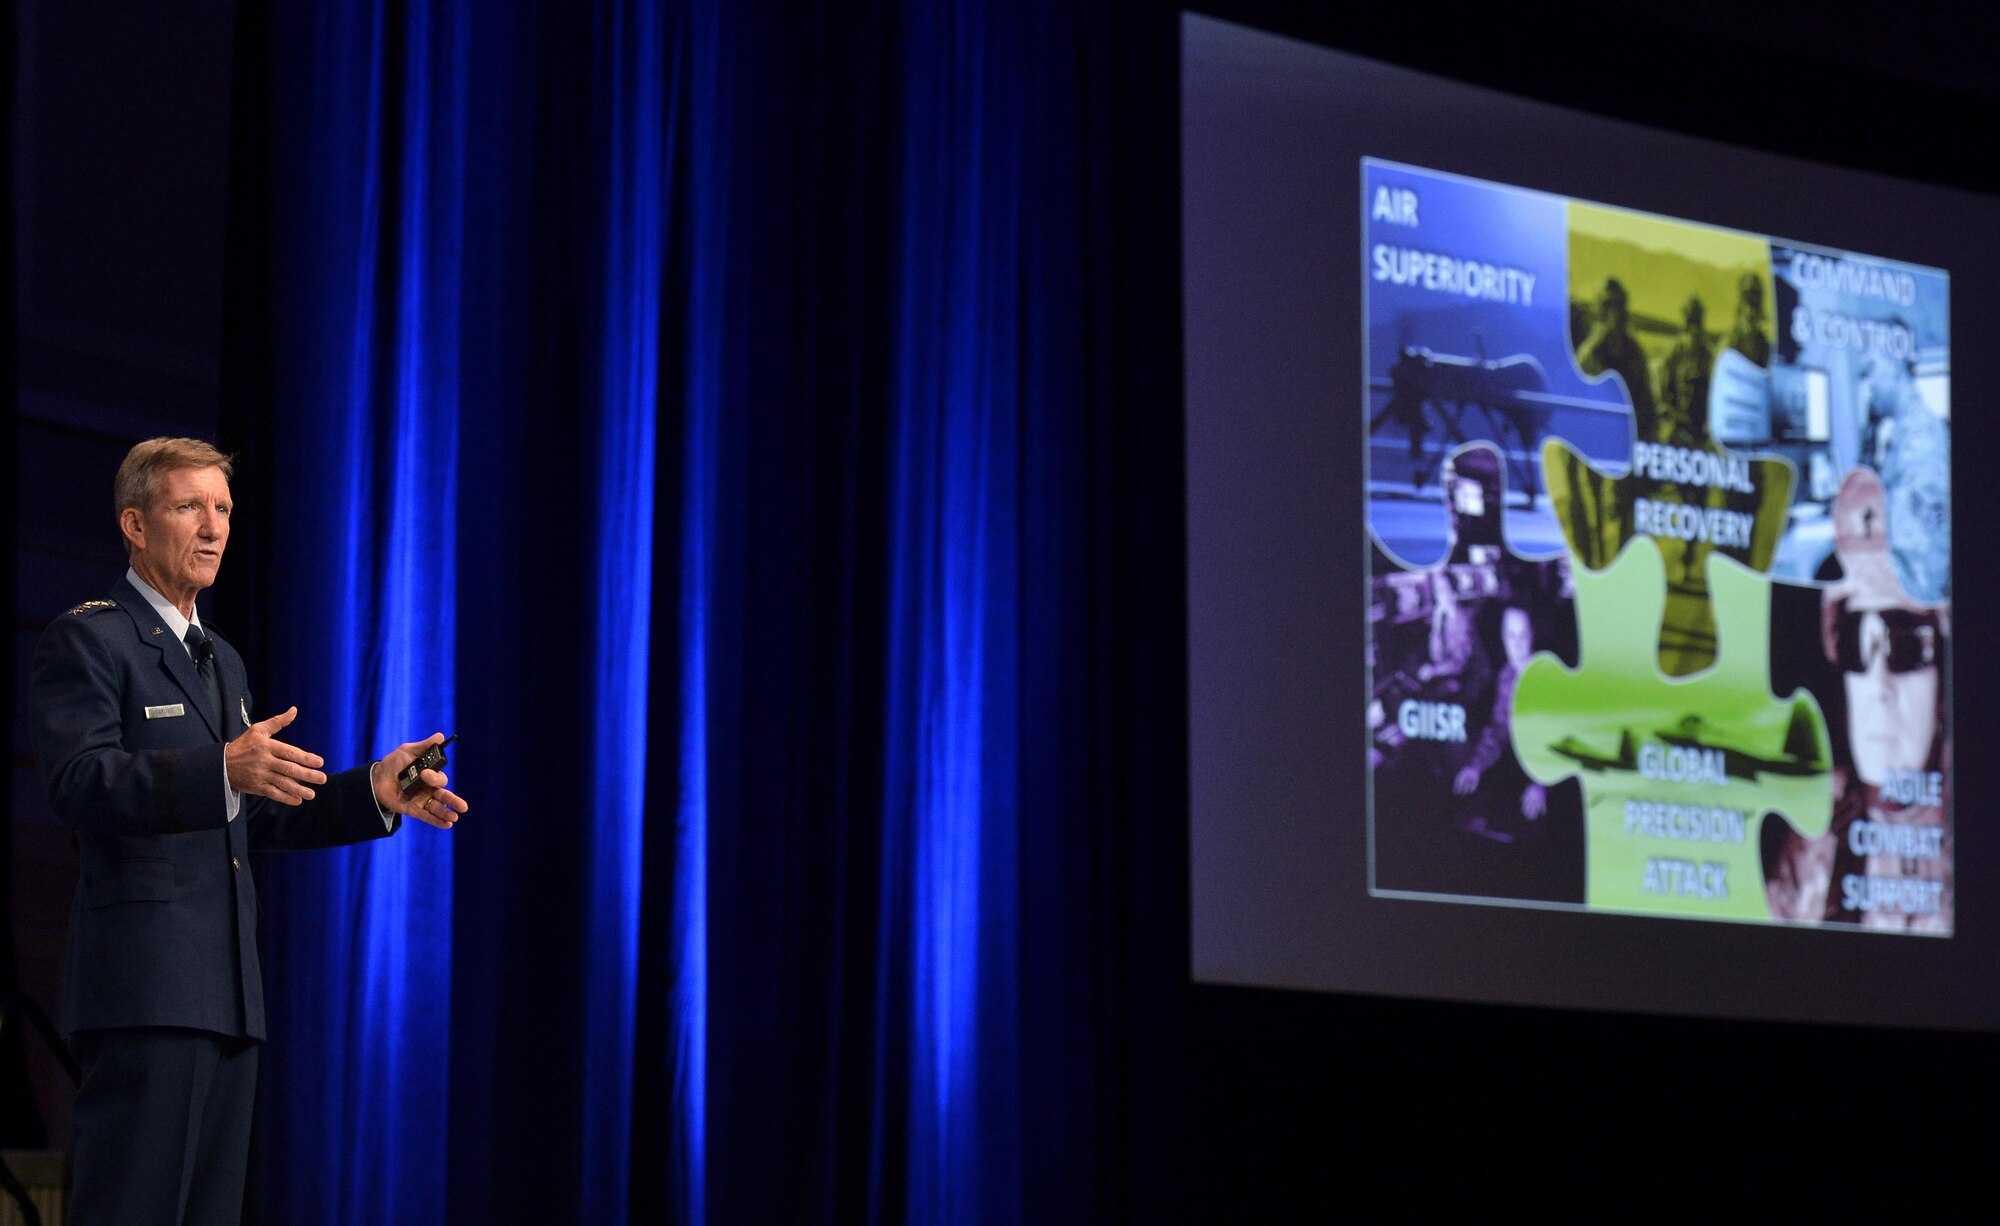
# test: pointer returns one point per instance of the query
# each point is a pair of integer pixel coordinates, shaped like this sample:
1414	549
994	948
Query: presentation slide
1586	489
1571	559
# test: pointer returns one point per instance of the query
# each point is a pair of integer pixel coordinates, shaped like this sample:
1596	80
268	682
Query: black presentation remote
412	777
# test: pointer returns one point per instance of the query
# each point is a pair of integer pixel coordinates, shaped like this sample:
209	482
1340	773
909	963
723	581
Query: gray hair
140	473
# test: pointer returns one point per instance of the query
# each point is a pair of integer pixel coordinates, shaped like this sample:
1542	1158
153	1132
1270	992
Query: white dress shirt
179	625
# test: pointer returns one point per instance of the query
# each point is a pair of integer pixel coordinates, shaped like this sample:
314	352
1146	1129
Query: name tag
165	712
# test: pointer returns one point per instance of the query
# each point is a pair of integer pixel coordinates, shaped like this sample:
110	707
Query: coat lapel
235	688
174	657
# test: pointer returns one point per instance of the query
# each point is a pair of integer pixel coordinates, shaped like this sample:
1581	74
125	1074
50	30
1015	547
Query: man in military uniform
1746	335
1892	653
144	736
1684	379
1611	347
1598	508
1910	446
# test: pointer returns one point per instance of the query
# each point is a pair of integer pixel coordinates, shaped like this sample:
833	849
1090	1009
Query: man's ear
133	525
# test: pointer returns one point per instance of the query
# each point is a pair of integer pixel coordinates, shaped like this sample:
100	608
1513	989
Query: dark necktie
204	663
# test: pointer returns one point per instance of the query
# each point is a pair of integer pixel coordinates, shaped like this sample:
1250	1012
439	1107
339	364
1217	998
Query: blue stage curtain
901	849
722	416
366	462
628	113
464	380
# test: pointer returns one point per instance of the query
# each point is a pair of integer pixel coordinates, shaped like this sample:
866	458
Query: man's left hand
430	803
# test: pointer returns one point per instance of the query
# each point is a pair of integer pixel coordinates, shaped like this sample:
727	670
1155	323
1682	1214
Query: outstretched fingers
294	754
437	806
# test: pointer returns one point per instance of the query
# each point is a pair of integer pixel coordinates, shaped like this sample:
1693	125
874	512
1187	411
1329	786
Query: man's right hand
262	765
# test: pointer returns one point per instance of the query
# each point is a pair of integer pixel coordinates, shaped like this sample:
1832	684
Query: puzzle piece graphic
1725	504
1450	811
1678	775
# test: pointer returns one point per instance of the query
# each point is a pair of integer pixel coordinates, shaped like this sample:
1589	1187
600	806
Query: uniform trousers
162	1124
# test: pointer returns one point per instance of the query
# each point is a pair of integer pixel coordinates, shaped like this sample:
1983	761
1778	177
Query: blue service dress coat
163	931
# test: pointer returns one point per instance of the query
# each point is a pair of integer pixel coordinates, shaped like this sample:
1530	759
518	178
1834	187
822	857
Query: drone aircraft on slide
1473	397
1798	756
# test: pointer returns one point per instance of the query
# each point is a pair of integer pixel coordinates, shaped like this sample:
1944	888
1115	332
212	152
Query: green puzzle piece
1739	512
1677	773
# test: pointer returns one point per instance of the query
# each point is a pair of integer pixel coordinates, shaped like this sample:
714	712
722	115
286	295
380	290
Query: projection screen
1571	556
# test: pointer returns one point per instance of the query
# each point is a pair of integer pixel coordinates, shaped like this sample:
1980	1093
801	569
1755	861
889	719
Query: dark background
119	178
118	173
1274	136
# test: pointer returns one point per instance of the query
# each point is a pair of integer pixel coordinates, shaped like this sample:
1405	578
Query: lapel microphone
204	652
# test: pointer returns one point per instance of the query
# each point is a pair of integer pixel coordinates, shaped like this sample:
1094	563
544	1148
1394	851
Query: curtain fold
952	751
630	115
714	413
369	598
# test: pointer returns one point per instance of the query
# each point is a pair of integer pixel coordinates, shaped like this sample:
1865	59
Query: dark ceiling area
1897	89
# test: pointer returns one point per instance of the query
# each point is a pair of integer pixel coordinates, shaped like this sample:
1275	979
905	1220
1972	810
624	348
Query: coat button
233	863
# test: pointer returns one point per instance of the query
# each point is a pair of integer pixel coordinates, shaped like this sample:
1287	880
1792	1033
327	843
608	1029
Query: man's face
177	540
1517	637
1611	310
1881	381
1468	497
1892	693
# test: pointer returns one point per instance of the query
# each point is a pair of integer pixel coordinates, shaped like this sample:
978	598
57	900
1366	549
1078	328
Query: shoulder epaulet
91	606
